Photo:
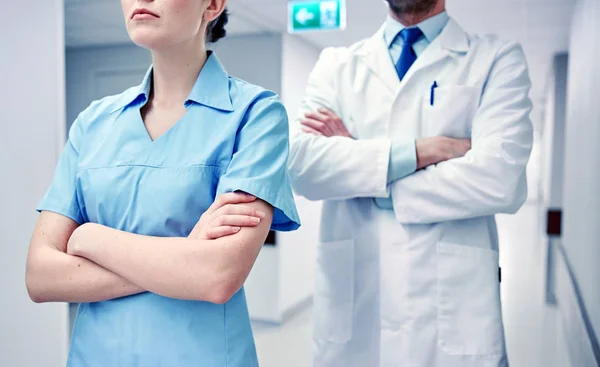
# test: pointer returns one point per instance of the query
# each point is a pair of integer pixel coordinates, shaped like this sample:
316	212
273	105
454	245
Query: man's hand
440	148
226	216
324	122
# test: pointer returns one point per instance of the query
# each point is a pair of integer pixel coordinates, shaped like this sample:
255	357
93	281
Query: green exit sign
316	15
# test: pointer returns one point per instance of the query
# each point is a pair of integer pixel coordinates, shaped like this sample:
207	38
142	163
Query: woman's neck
175	72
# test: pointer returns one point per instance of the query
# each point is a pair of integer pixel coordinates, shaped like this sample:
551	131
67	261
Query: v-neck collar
211	88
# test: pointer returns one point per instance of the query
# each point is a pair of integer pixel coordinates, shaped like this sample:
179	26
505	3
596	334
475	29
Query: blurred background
59	55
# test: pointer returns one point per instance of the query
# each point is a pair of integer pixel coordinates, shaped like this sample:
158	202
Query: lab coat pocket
469	314
334	292
449	111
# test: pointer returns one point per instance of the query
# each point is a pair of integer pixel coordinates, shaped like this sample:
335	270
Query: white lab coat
417	286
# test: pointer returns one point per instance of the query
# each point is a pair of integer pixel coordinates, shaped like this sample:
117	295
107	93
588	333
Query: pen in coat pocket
432	96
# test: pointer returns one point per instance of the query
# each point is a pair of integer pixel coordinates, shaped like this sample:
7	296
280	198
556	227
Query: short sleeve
61	197
259	162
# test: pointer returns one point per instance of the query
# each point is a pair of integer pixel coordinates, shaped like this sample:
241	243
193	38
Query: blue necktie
408	56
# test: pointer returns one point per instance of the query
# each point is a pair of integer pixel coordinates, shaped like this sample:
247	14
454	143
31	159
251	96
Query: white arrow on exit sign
304	16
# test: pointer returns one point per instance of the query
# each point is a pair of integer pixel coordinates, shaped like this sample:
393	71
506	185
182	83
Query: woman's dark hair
216	28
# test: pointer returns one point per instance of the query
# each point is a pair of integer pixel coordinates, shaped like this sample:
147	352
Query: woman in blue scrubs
161	201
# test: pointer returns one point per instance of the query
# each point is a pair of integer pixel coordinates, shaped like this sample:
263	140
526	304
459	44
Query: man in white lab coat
407	271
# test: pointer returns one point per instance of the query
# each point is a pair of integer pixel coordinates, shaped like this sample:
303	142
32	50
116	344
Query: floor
531	326
289	345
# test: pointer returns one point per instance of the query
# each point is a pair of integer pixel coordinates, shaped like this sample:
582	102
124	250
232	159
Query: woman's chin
147	41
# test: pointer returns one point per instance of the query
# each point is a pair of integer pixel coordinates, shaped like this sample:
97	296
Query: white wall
85	66
298	249
554	134
33	123
255	59
581	196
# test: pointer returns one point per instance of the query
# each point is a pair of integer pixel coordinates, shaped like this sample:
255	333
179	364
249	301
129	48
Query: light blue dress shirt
234	136
403	156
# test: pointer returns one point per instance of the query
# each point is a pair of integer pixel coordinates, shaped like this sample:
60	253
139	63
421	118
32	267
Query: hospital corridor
300	183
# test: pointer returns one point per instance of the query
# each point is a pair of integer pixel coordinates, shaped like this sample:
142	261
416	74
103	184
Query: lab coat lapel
451	42
376	56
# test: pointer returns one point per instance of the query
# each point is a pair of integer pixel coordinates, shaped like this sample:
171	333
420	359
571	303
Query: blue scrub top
234	136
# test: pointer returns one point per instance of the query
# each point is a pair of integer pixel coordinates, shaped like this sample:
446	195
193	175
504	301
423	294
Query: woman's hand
226	216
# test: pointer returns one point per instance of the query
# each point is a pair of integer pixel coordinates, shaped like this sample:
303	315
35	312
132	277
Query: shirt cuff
403	159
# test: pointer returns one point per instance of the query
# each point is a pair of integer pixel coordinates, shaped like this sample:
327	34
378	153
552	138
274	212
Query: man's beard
412	6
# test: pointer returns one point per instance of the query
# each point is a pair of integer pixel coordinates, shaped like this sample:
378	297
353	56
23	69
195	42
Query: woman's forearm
54	276
183	268
172	267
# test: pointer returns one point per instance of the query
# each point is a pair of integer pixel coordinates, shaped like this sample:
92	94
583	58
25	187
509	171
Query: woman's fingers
238	209
235	221
230	198
214	233
227	215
